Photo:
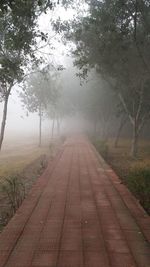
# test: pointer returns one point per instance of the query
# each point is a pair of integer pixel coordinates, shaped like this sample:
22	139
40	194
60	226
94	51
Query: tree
18	43
17	39
113	37
19	35
122	123
60	108
98	105
6	5
38	94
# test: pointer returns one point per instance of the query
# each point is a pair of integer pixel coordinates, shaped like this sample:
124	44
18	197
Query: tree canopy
114	38
18	41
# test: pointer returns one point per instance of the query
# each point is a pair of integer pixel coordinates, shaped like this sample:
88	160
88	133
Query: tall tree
98	105
39	93
18	43
19	35
113	37
60	108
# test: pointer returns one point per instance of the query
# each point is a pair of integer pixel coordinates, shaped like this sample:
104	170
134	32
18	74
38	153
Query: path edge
140	215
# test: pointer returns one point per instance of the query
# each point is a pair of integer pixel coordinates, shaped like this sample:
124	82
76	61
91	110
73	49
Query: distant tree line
44	95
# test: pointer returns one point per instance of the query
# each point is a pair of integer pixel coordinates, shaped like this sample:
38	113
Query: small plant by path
138	181
13	189
17	184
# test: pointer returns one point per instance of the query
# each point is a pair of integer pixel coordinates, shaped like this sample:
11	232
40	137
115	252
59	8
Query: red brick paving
77	215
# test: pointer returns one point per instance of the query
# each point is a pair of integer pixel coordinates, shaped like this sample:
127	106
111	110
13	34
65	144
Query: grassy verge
21	163
135	173
15	159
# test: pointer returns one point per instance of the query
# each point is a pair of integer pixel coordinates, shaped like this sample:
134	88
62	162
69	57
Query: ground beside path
77	215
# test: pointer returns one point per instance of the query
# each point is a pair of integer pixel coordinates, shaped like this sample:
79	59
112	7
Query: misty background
93	104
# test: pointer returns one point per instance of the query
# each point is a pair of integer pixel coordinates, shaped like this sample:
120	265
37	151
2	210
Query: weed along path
78	214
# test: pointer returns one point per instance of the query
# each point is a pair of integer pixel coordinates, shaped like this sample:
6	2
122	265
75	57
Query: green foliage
14	189
17	30
18	42
63	105
138	181
19	35
5	5
39	92
113	38
102	147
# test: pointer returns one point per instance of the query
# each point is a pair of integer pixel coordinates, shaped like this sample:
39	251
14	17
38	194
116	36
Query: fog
82	81
21	123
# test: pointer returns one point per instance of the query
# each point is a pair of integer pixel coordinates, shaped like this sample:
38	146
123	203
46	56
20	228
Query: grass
121	160
20	166
13	190
135	173
138	180
102	147
17	154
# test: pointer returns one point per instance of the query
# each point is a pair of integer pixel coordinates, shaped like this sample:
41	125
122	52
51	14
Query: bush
138	181
14	190
102	147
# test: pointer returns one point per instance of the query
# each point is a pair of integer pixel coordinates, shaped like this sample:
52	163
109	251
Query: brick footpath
78	214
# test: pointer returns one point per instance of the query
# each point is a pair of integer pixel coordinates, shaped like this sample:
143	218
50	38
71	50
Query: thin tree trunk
58	127
122	123
3	124
53	126
40	126
134	147
95	128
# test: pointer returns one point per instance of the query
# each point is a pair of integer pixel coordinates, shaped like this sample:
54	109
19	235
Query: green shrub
102	147
138	182
14	190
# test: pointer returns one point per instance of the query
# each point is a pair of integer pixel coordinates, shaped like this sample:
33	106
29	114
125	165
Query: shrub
14	190
138	181
102	147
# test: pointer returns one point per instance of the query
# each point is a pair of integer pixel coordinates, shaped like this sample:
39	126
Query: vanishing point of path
78	214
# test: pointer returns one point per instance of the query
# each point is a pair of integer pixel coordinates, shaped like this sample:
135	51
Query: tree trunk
40	126
3	124
134	147
122	123
53	126
95	128
58	127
